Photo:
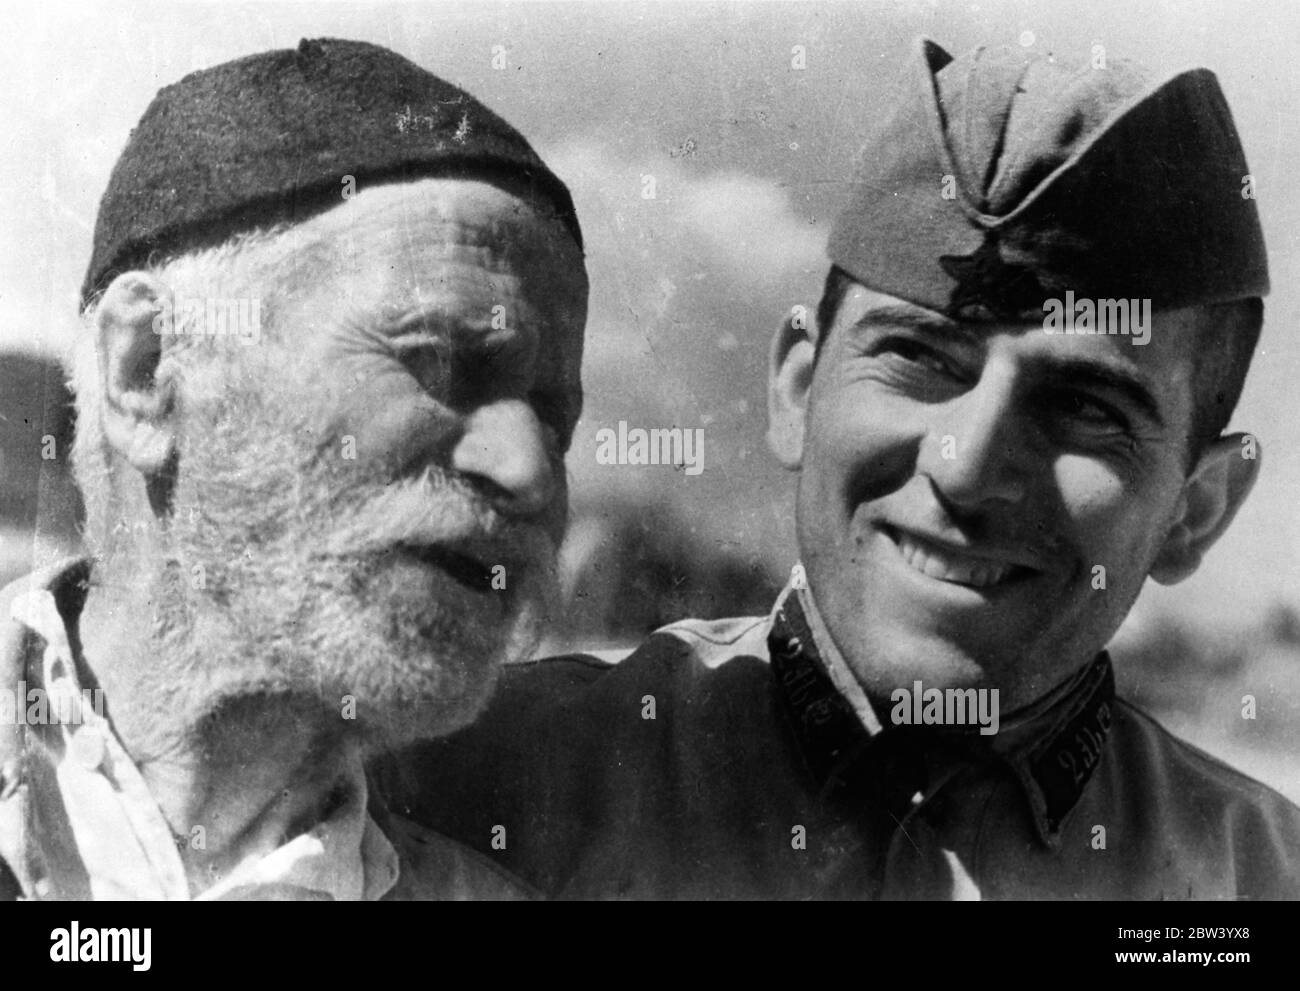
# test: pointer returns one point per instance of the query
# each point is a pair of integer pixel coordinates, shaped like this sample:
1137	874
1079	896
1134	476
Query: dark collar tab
842	756
1056	770
845	760
824	724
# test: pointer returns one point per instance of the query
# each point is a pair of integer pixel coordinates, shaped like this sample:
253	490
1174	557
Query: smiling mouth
950	565
469	571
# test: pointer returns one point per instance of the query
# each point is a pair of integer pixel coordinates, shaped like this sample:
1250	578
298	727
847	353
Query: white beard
284	586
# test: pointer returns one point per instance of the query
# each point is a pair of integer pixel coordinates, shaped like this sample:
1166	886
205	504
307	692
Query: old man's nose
505	446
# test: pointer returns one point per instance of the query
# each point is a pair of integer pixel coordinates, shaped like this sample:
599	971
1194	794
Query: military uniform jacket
40	857
719	761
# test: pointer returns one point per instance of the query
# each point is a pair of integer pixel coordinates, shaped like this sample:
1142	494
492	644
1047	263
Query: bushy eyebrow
436	319
895	315
424	327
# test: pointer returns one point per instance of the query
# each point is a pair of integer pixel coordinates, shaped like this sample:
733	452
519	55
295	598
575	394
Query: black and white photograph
651	451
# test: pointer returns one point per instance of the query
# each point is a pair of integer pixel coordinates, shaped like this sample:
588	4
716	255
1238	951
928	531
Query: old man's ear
790	373
137	405
1212	494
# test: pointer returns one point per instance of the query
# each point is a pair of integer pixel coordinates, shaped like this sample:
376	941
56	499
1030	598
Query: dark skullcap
269	138
1059	176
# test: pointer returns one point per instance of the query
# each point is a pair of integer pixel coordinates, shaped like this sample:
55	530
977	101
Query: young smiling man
980	499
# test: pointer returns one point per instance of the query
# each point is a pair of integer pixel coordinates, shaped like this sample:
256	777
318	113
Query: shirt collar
1052	746
122	838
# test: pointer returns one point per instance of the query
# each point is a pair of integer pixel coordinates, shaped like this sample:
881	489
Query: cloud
743	224
682	280
750	227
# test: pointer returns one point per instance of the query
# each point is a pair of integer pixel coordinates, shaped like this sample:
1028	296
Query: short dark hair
1225	343
836	288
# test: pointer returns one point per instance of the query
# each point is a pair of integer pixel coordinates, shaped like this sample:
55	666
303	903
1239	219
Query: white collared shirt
125	843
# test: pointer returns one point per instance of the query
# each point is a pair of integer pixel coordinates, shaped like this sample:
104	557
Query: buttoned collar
1052	746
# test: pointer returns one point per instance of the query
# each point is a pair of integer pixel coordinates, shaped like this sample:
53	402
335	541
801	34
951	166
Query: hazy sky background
749	157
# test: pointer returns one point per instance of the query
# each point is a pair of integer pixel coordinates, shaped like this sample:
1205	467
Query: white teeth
950	567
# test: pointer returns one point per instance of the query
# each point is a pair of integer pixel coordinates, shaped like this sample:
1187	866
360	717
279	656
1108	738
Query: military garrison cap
1004	179
269	138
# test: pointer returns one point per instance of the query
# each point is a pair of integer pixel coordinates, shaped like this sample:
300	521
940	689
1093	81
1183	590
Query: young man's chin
899	663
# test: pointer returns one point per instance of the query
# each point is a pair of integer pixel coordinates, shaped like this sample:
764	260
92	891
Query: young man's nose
977	450
505	446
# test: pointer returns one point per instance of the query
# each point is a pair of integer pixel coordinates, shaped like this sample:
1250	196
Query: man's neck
246	777
247	806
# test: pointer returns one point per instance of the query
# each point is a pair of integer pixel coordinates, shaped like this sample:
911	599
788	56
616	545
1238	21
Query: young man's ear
1212	494
134	314
789	379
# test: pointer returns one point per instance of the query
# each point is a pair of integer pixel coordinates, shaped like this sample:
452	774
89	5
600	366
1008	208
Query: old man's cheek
389	431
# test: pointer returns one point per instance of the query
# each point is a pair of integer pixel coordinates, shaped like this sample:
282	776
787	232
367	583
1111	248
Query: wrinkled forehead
465	244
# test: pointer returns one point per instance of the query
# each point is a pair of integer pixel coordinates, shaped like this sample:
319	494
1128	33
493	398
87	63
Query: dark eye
431	367
916	353
1075	415
919	369
1089	409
